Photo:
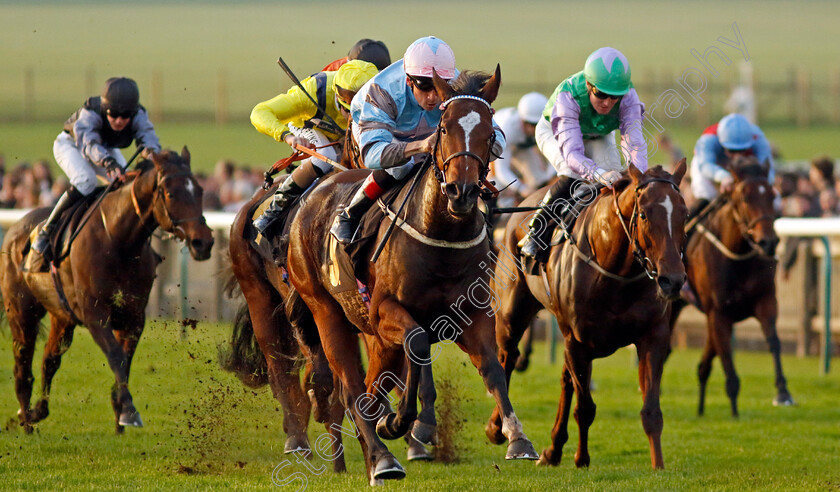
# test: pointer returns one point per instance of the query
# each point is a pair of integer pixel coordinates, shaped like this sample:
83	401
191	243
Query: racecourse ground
204	430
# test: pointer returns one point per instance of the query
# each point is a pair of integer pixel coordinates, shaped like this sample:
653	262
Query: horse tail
242	355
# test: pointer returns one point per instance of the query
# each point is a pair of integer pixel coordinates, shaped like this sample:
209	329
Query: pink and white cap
427	53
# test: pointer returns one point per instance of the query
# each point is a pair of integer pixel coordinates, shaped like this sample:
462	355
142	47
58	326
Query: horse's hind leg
704	369
767	311
560	433
24	328
60	338
720	329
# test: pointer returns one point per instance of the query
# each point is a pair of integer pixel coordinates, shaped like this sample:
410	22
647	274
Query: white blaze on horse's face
669	210
468	123
190	187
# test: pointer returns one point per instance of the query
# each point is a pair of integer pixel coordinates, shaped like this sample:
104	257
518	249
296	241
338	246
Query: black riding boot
539	232
347	221
285	194
67	199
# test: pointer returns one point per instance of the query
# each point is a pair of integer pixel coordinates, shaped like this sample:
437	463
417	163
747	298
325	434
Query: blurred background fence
794	98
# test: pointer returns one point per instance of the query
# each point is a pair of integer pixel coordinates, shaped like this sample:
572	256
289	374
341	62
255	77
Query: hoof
418	452
131	418
297	444
521	449
384	426
424	433
784	401
545	459
494	432
388	468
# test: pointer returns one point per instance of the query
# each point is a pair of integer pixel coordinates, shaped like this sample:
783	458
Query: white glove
607	178
727	183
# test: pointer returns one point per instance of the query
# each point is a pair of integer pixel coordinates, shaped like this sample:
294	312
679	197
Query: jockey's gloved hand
726	184
113	168
607	178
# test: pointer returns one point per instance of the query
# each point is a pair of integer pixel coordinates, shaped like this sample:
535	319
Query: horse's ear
634	172
491	87
442	87
679	171
185	155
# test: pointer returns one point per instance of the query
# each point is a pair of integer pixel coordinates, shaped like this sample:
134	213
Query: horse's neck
608	241
430	216
722	223
123	224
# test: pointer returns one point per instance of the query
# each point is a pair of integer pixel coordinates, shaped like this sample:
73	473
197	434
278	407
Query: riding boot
67	199
347	221
539	229
285	194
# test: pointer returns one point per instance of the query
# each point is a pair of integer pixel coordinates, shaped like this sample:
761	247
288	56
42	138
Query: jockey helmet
371	51
531	106
608	70
120	95
429	53
353	75
734	132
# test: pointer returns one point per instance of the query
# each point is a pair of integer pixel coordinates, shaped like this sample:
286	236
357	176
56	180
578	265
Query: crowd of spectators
33	184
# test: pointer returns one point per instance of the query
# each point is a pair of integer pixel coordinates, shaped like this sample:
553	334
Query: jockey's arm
565	124
707	151
633	144
88	139
273	116
144	132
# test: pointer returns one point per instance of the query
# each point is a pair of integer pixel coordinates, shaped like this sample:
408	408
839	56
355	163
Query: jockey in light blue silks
718	144
577	136
396	115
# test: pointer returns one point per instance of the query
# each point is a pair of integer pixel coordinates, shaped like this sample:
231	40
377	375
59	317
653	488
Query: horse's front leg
653	350
560	432
397	327
60	338
767	311
121	399
579	363
477	340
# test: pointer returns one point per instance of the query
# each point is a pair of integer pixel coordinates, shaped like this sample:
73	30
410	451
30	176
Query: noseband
441	167
638	252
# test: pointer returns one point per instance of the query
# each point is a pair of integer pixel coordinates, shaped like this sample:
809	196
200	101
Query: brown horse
433	262
609	285
106	277
266	293
731	267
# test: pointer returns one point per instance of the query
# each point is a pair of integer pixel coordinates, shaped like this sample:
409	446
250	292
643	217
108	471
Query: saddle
60	241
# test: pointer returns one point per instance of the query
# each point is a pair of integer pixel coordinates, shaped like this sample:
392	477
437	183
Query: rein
484	164
159	188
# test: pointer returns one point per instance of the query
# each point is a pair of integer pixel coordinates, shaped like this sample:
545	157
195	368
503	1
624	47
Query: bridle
159	198
440	168
638	252
744	226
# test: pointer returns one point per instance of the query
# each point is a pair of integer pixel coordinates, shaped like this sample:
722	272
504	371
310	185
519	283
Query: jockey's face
119	123
731	154
603	103
427	98
529	129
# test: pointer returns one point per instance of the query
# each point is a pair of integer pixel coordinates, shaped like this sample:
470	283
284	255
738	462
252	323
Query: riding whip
318	155
330	125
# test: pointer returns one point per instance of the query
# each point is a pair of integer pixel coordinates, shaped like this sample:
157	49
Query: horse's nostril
664	283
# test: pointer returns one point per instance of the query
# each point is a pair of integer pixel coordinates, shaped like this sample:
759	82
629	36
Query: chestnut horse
731	267
610	284
429	266
277	353
106	277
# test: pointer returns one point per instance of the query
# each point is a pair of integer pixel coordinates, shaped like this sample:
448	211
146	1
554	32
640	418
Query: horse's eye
642	216
442	130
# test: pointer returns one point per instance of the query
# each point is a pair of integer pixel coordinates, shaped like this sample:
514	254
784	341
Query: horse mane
470	82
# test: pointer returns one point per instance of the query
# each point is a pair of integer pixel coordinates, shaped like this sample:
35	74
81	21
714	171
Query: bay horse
609	284
731	267
106	279
430	264
277	351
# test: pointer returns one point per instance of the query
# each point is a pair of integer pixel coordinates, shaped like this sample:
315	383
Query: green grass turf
206	431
